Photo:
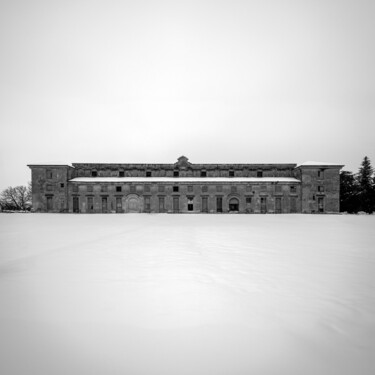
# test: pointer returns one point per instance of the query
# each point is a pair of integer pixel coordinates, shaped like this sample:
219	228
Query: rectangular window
147	204
204	204
278	205
321	173
62	204
104	204
75	204
175	189
161	204
121	174
203	174
49	174
190	188
219	204
49	204
204	189
190	203
176	202
219	188
263	205
161	188
90	204
118	189
148	173
176	173
231	173
293	189
293	204
248	205
62	185
259	174
94	174
118	204
320	204
321	189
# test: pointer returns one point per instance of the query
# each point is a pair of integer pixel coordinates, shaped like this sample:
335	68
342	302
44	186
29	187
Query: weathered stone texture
81	188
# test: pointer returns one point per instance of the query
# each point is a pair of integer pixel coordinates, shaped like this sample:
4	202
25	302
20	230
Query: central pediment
182	162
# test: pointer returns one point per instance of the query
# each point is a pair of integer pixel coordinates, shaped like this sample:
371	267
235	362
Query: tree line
357	191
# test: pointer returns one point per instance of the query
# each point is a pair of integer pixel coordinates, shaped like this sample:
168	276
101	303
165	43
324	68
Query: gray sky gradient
217	81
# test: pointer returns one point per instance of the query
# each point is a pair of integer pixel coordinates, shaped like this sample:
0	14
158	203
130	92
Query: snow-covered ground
187	294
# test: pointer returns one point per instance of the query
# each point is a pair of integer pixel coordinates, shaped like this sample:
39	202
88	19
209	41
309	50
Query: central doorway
234	205
133	205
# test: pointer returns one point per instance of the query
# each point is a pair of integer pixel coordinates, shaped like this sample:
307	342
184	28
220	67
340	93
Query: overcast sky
217	81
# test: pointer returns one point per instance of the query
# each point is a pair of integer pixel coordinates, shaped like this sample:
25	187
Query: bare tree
16	198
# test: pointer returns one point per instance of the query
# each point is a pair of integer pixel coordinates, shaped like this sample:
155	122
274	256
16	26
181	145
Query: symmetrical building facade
183	187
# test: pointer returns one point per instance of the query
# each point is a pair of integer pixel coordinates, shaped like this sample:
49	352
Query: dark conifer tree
366	186
349	198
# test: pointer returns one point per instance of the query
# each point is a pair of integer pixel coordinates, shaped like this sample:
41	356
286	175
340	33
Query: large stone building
184	187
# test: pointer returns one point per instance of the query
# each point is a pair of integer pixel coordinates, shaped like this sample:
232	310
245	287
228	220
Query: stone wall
169	170
317	189
249	196
50	187
320	188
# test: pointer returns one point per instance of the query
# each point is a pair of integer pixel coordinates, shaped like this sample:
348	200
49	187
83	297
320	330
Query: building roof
183	162
319	164
50	164
186	179
192	166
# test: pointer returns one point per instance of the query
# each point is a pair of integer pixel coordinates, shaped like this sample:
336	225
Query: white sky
217	81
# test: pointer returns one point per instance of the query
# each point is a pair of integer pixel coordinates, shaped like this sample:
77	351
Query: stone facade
184	187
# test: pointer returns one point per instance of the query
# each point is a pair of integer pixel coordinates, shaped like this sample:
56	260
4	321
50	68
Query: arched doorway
234	204
133	204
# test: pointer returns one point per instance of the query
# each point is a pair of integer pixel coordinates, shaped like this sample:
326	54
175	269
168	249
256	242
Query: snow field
167	294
